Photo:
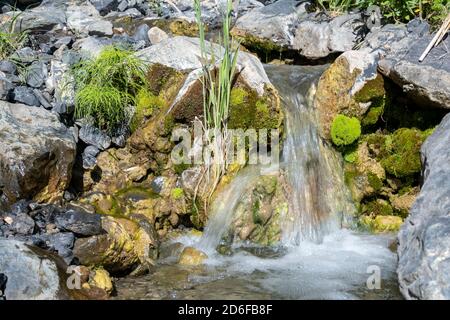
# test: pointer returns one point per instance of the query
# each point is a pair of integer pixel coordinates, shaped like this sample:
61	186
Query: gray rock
36	154
273	23
6	87
22	224
43	98
156	35
91	46
63	109
37	74
317	39
426	83
123	5
100	28
90	157
8	67
84	19
32	275
141	34
64	41
424	238
25	55
93	136
157	184
105	6
26	96
61	242
79	222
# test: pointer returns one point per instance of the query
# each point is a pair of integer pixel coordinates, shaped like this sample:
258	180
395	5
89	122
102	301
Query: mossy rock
377	207
382	224
404	159
181	27
345	130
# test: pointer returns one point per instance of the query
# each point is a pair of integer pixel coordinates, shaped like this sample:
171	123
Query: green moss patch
345	130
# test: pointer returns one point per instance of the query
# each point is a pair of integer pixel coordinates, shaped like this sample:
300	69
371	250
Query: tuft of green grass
107	86
10	39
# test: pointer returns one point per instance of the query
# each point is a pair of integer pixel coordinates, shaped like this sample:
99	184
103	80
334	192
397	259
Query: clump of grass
11	40
107	86
217	79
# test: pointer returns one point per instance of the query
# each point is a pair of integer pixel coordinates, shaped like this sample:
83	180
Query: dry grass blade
437	38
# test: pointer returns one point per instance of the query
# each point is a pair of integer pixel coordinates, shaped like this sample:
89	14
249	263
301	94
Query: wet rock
93	136
156	35
192	257
37	74
26	96
36	154
424	238
102	280
79	222
124	246
31	275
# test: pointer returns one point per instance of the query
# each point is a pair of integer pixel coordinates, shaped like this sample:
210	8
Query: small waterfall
318	197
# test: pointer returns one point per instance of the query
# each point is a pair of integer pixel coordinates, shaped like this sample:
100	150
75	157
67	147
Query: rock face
424	239
30	276
288	25
426	83
36	154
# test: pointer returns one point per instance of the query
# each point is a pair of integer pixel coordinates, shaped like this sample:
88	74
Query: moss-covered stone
181	27
345	130
404	158
381	224
377	207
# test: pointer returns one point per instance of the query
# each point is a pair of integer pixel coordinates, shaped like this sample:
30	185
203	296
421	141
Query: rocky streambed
86	213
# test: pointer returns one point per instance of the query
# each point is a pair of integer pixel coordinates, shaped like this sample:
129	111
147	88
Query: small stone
192	257
26	96
90	157
37	74
123	5
156	35
79	222
64	41
43	100
101	28
141	34
8	220
102	280
93	136
105	205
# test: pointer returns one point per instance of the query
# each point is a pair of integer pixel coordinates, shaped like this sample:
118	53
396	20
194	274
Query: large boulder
424	238
289	25
31	274
37	153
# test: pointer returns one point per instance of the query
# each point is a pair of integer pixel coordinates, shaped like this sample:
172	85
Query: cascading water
318	199
321	259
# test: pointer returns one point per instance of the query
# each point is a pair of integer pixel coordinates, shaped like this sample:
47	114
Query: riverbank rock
424	238
192	257
36	154
123	247
31	275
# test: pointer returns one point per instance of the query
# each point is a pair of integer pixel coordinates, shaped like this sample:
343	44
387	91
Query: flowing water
320	257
